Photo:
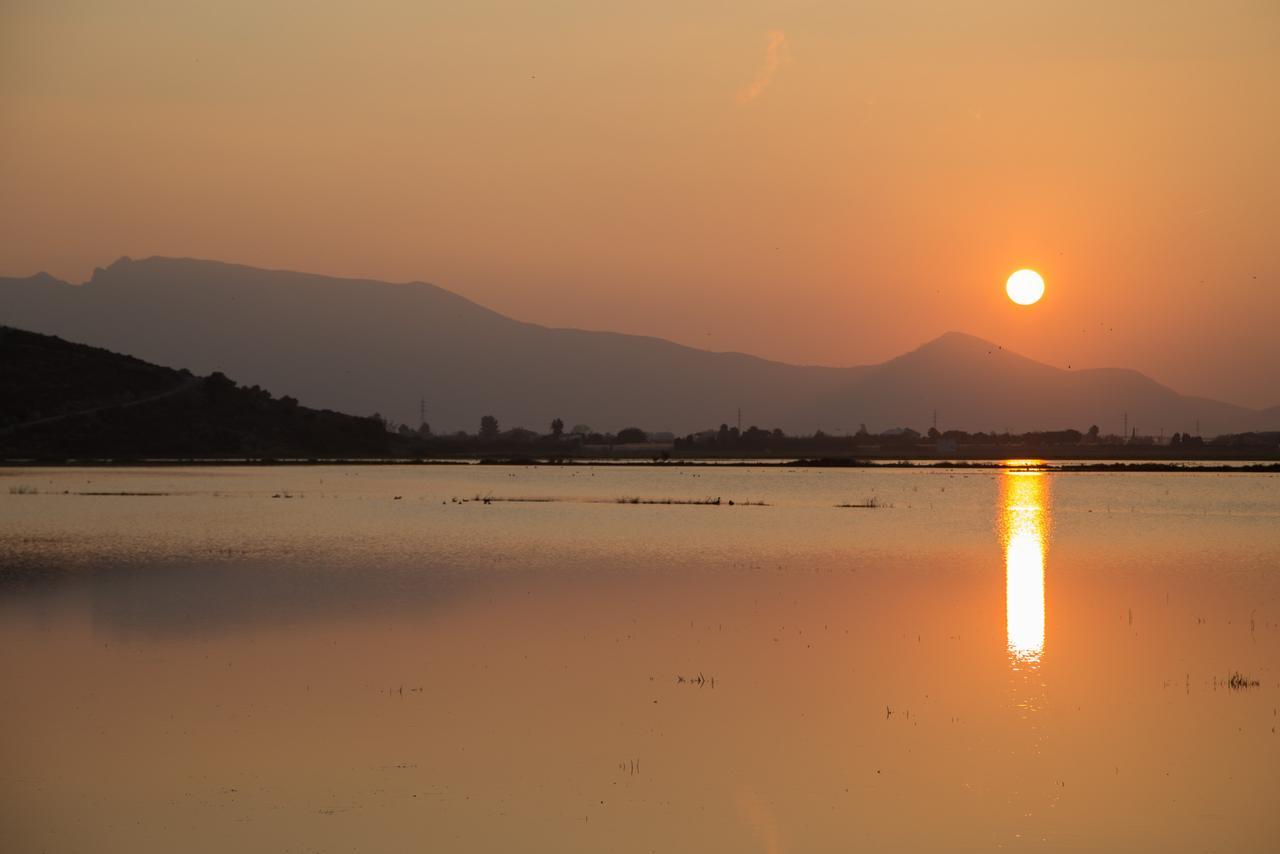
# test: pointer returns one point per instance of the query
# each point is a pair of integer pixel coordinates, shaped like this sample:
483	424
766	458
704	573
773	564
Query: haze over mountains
361	346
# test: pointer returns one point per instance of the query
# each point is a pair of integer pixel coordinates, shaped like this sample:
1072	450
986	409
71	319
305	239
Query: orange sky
823	182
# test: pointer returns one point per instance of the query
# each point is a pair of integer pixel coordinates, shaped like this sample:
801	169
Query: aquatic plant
1239	682
710	502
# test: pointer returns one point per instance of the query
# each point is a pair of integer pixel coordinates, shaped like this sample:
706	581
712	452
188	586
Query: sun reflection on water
1024	502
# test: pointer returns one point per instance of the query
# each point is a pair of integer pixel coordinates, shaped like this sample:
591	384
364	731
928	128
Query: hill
59	399
986	387
365	346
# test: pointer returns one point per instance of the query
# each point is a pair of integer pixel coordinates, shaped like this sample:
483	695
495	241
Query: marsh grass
870	503
624	499
714	502
490	499
706	502
1240	682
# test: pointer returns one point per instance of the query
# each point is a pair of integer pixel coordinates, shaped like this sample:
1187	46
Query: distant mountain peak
126	266
955	335
955	345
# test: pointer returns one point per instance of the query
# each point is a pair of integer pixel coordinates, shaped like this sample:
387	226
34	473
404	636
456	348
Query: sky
814	182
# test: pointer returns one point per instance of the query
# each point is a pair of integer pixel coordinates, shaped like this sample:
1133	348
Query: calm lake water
357	659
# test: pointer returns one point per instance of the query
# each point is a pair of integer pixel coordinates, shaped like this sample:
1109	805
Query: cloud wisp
776	54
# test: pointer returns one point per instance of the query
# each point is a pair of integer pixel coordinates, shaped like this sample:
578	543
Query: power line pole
422	410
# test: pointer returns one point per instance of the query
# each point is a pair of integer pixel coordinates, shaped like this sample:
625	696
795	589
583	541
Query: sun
1025	287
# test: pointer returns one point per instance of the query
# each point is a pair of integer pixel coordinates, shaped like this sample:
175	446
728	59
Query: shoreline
1048	464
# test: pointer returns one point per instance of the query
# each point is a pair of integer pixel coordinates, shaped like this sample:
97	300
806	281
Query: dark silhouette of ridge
363	346
60	399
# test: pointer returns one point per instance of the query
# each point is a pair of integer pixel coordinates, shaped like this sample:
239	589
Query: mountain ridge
364	346
63	399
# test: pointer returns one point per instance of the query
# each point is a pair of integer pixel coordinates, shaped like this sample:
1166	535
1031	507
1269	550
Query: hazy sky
821	182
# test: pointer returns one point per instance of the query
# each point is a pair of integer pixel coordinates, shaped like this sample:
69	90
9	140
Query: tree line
758	440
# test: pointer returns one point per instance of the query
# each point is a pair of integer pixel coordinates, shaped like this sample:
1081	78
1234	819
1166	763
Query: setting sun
1025	287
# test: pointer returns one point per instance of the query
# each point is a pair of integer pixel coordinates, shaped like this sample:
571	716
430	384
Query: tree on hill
557	428
631	434
488	427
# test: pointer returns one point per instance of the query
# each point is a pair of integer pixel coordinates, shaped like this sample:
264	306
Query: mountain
986	387
363	346
61	399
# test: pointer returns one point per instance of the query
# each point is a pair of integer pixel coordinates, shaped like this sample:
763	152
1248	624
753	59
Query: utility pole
1126	427
935	419
422	410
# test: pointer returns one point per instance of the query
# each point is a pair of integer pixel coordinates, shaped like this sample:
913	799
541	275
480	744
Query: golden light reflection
1030	463
1025	529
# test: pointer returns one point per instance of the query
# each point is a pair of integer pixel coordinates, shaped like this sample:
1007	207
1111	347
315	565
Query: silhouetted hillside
43	377
59	399
364	346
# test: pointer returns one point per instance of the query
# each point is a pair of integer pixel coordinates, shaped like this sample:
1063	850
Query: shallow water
983	659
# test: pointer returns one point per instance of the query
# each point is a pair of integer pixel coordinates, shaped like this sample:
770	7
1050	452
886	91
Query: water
984	659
